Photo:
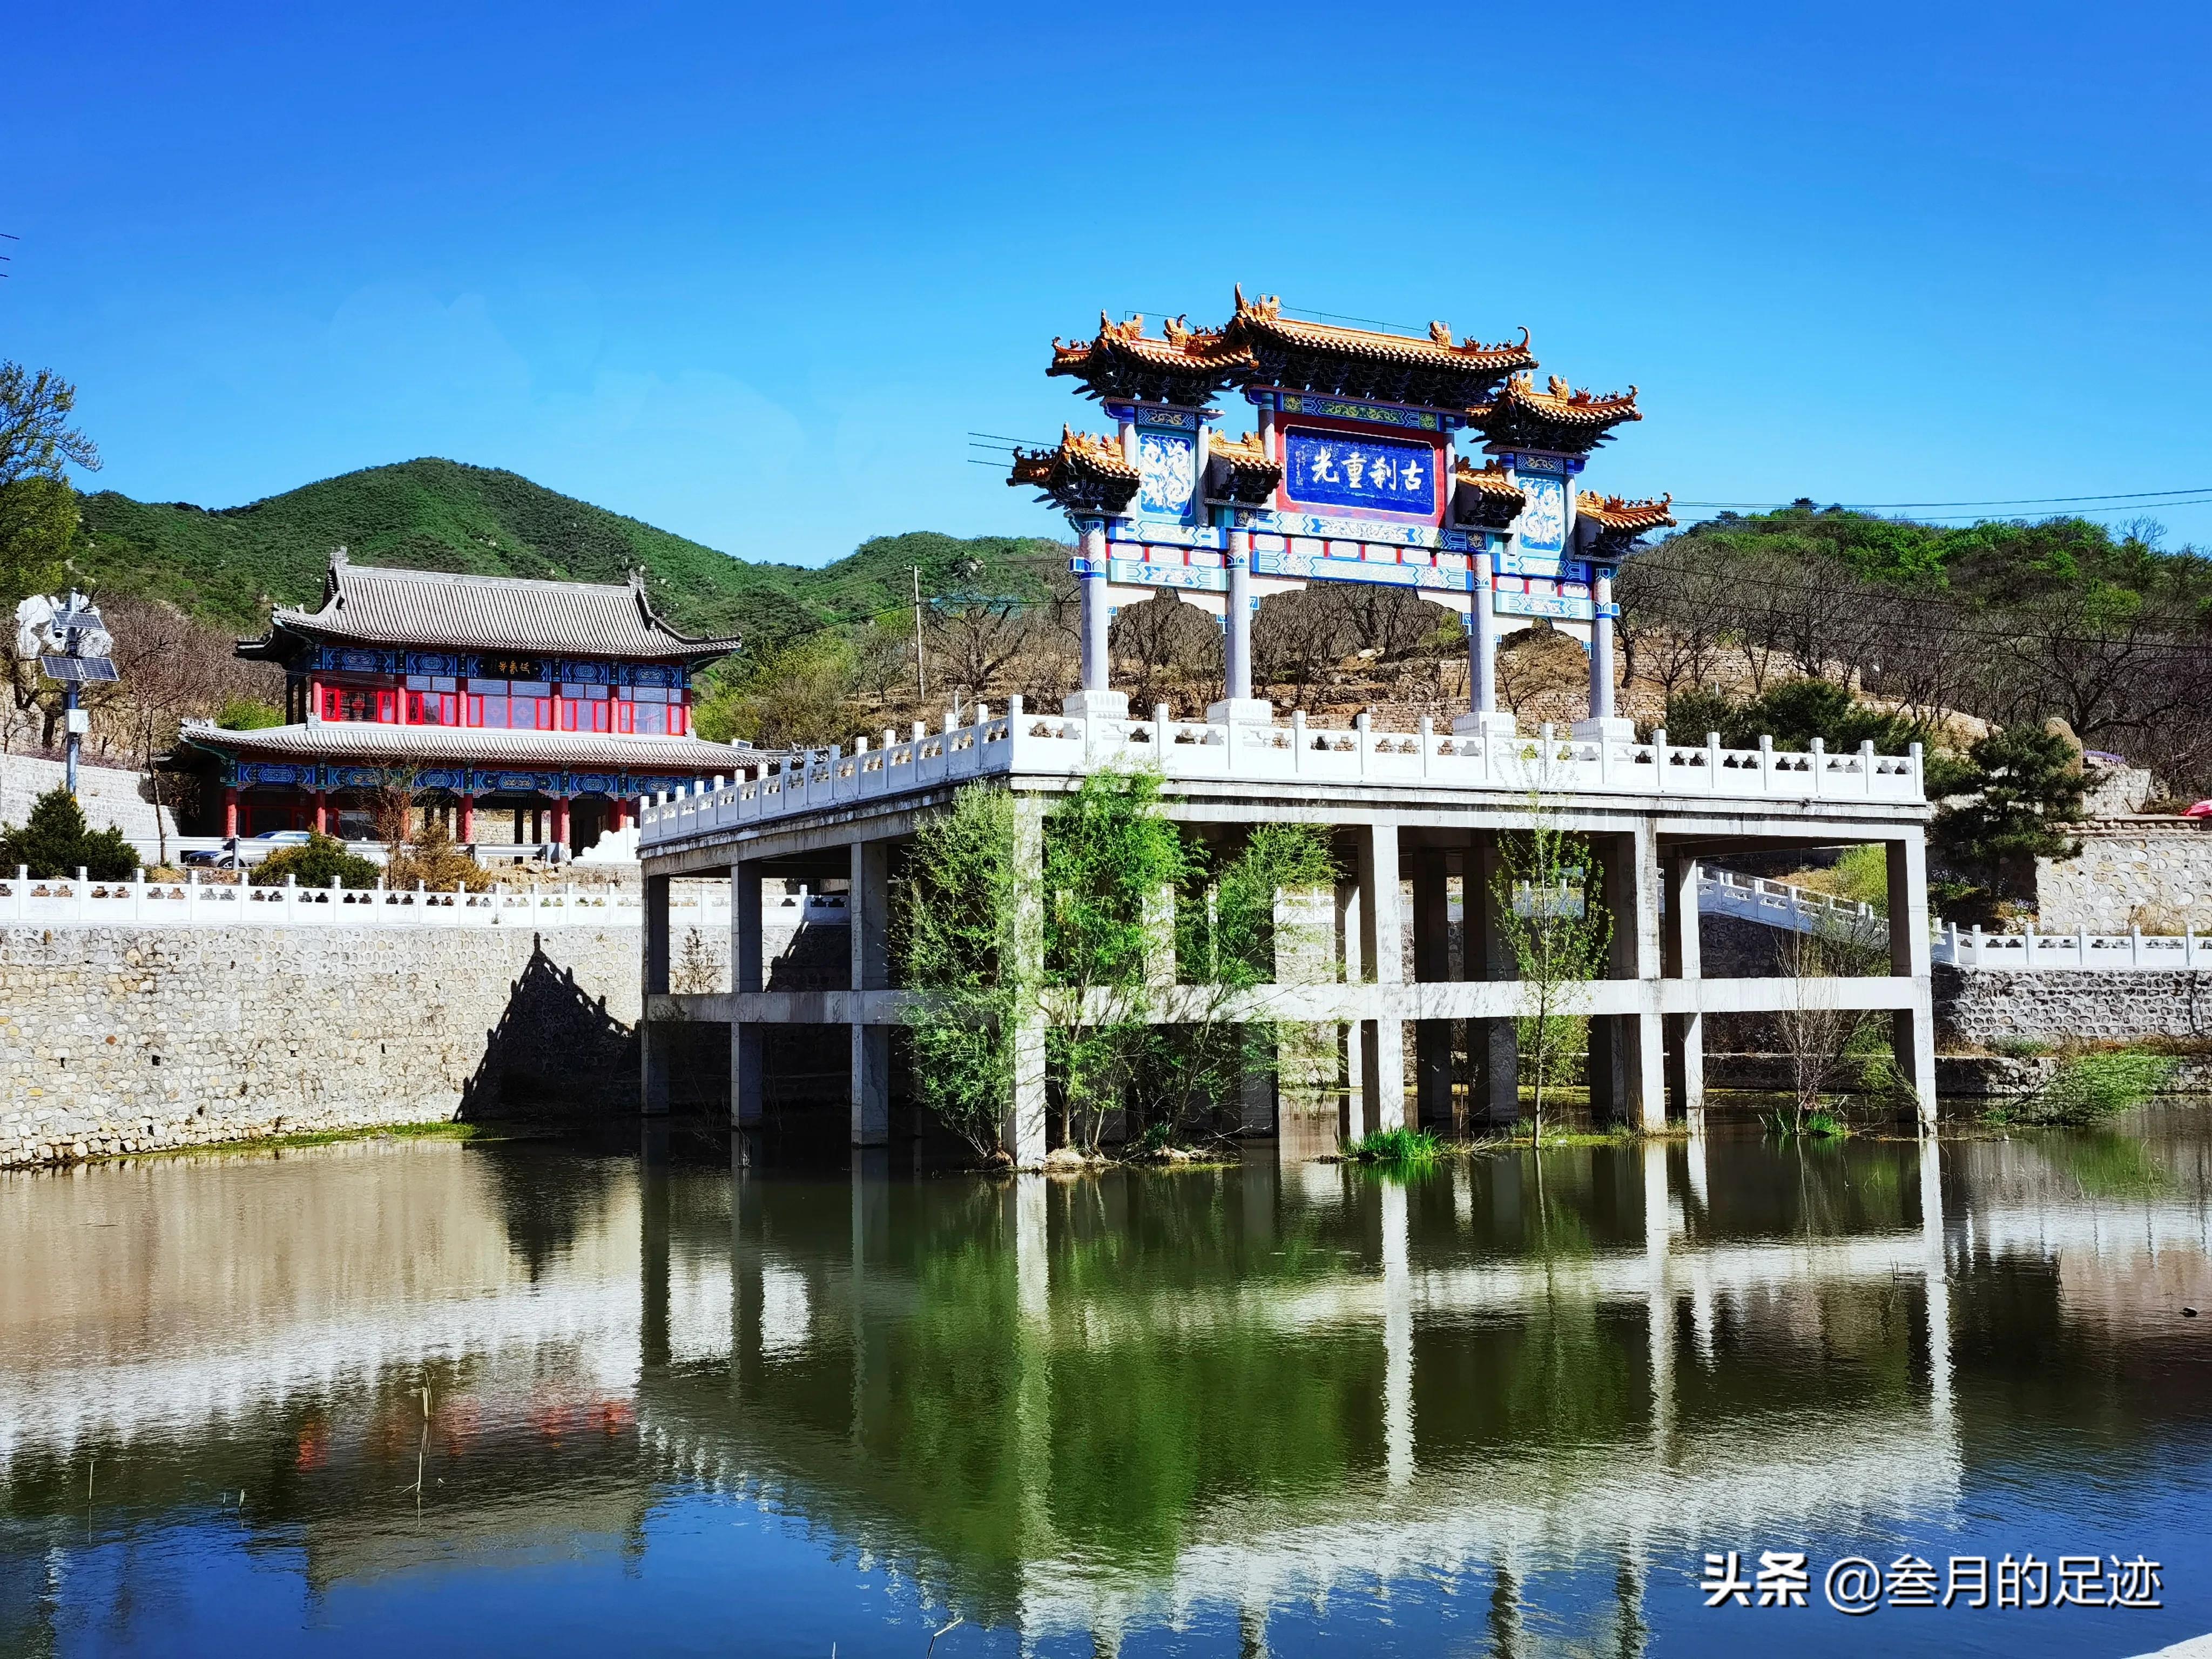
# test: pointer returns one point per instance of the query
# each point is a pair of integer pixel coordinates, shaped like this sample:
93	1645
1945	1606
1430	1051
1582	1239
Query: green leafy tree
56	841
38	508
800	696
1552	922
1111	859
1793	714
957	905
2023	787
1224	947
249	715
320	861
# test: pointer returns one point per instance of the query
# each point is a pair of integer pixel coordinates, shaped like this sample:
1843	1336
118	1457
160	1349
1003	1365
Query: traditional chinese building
524	711
1353	474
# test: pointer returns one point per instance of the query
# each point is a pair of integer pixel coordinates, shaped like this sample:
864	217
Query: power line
1893	598
2001	500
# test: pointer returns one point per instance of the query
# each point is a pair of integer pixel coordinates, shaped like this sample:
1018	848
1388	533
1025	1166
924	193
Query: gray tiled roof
377	743
442	610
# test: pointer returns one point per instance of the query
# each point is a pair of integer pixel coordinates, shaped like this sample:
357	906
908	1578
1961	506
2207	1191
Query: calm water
1297	1411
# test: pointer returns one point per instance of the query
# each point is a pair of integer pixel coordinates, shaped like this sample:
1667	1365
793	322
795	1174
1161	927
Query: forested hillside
224	565
2010	622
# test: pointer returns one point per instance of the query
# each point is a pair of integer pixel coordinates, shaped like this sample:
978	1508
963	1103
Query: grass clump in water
2088	1088
1399	1146
1819	1124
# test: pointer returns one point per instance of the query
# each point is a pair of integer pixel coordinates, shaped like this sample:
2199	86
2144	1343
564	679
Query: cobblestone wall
118	1039
1988	1006
2158	878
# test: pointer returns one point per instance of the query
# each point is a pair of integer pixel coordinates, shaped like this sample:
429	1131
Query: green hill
225	565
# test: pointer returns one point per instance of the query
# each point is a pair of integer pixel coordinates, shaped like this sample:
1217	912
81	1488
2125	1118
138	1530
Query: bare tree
1163	647
1818	1033
1295	642
972	639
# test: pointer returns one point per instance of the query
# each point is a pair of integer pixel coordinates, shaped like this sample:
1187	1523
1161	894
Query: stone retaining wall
1984	1005
115	1039
2157	875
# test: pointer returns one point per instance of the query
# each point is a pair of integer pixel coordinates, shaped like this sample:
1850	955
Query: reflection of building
526	711
1251	1394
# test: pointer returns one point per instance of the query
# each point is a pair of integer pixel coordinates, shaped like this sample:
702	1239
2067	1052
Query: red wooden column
561	819
230	811
322	813
619	813
468	819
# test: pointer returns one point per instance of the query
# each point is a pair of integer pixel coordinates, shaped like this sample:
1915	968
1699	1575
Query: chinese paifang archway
1352	474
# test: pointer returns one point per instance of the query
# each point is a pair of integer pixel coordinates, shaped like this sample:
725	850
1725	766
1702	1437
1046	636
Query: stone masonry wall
115	1039
2159	878
1980	1006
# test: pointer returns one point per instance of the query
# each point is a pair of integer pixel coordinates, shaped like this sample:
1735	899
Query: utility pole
921	676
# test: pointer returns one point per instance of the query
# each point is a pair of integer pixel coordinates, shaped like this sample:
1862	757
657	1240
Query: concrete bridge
1424	805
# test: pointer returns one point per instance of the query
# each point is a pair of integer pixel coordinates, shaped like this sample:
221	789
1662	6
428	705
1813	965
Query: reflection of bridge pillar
653	1341
1504	1612
1631	1634
1935	1275
1397	1337
1658	1298
747	1296
871	1185
1027	1221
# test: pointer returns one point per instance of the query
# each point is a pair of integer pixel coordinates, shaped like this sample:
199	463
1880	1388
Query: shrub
323	861
56	841
1395	1146
2090	1088
1793	714
434	858
249	715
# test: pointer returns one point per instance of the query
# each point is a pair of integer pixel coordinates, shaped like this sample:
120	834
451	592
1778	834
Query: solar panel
86	617
81	670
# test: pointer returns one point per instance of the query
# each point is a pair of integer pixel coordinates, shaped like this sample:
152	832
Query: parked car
232	857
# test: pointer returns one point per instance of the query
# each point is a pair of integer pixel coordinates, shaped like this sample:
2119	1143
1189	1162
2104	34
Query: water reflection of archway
1055	1352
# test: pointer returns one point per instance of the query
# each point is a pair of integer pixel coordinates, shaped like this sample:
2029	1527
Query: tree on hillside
2024	785
38	508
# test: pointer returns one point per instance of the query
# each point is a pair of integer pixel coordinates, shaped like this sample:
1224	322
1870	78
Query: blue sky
754	274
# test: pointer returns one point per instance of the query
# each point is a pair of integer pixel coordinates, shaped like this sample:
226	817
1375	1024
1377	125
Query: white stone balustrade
2083	950
1049	745
26	901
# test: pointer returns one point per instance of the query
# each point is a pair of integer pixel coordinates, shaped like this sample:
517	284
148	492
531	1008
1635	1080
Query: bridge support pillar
748	1060
1495	1042
1912	1030
1681	959
1432	1038
651	1041
1381	957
